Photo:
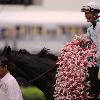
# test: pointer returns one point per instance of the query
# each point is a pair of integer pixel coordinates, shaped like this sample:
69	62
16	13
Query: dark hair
3	61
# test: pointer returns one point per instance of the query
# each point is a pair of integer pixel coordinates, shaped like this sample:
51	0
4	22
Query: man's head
3	66
91	10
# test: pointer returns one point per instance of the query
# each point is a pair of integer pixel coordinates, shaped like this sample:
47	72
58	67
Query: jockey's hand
98	60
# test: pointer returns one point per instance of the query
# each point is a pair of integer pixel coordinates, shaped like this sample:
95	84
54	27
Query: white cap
93	5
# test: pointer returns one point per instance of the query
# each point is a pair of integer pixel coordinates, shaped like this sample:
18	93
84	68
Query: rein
39	76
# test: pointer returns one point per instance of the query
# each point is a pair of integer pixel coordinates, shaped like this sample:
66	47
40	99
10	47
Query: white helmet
91	7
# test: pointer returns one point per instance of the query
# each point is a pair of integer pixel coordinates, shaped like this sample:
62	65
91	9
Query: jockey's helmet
91	7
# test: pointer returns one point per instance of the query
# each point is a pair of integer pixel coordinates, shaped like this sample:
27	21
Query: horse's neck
33	66
46	85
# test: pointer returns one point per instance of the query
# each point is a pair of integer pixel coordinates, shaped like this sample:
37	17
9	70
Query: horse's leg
46	86
50	84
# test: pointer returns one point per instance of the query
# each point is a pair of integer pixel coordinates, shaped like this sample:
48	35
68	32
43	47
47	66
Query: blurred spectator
10	37
37	33
69	34
2	36
61	33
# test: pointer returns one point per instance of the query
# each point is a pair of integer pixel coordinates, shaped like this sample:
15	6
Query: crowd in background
41	32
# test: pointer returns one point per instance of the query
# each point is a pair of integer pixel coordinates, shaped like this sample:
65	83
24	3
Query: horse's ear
44	52
6	52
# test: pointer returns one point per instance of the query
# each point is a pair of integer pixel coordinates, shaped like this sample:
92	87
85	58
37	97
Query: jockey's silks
99	73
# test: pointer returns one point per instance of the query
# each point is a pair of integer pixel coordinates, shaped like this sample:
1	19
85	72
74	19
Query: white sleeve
14	92
98	42
98	49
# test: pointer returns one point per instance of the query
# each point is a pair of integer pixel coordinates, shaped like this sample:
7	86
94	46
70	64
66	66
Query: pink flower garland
70	77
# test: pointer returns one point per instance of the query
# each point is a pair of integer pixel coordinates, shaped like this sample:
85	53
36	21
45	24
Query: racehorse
40	70
33	69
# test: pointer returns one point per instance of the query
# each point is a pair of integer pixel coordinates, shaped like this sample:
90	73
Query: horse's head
28	67
12	57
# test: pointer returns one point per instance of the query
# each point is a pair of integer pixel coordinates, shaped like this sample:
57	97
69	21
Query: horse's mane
23	51
46	53
22	58
42	53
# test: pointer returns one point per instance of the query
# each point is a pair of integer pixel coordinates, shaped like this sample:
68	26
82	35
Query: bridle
39	76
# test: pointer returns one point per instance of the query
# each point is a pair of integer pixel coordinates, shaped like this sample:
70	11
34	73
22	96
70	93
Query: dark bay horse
40	70
35	69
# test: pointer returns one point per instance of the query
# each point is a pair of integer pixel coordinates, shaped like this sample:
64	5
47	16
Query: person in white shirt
9	88
92	11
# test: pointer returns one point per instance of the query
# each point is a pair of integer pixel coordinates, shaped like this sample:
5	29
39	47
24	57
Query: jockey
92	11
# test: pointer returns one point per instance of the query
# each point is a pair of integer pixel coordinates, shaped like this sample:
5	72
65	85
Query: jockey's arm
97	32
